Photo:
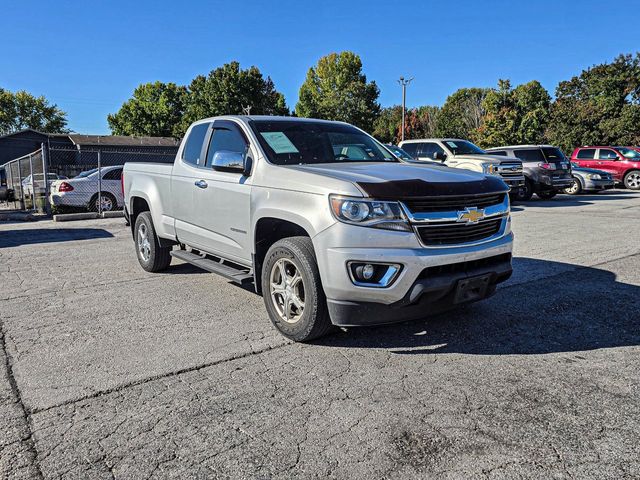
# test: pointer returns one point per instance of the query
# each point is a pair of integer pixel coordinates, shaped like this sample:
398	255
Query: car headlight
369	213
489	169
594	176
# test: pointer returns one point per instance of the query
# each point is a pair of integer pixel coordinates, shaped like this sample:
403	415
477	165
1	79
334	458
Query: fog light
367	271
373	274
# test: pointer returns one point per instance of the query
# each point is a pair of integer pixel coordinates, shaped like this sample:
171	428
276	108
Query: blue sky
88	56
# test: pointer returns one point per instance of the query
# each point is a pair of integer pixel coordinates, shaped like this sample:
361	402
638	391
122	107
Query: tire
296	305
152	257
574	189
524	193
109	202
632	180
547	194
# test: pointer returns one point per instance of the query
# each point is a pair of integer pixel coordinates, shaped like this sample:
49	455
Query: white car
82	191
38	183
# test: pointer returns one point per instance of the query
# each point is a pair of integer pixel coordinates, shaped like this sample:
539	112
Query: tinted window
462	147
502	153
193	147
411	149
113	174
428	149
531	155
309	142
225	140
586	153
398	152
553	154
607	154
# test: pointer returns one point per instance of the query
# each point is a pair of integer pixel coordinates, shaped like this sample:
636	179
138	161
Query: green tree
386	127
462	113
22	110
336	89
228	90
600	106
514	116
155	109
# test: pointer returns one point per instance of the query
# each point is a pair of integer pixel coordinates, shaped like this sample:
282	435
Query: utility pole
404	82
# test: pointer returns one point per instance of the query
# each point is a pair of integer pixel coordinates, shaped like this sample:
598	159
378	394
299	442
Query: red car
623	163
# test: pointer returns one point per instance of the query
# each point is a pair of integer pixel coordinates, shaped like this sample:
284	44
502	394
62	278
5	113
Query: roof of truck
516	147
418	140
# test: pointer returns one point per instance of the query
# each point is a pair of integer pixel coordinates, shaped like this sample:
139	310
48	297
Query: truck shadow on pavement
31	236
573	309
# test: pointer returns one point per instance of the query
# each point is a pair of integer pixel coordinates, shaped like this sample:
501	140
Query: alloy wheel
287	290
144	246
633	181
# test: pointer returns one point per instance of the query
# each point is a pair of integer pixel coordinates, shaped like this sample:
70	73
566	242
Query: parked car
457	153
38	184
82	190
547	171
588	179
398	152
623	163
327	238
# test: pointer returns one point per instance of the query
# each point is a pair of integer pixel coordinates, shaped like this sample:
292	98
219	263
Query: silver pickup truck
323	220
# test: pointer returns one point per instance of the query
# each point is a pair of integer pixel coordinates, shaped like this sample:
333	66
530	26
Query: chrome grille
456	233
448	204
510	169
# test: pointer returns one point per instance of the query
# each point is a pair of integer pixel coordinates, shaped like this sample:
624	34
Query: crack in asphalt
26	415
270	348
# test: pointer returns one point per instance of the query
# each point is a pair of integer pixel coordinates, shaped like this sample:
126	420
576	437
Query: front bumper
351	304
598	184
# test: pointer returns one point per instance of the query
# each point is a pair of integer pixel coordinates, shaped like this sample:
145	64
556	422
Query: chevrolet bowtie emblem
470	215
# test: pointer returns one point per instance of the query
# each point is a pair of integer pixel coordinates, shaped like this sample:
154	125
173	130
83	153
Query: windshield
398	152
462	147
553	154
309	142
87	173
629	153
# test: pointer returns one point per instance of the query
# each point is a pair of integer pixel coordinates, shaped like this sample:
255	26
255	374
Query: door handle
201	184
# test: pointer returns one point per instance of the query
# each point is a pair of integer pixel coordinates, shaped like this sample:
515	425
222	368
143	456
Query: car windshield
629	153
398	152
463	147
309	142
86	173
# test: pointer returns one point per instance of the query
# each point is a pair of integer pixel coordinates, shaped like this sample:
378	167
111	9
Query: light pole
404	82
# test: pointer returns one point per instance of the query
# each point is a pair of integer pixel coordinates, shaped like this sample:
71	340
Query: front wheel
575	188
152	257
524	193
292	290
547	194
632	180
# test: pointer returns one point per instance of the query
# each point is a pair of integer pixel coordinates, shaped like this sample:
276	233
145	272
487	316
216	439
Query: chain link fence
77	179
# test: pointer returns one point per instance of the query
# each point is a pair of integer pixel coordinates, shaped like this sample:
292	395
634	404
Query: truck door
608	161
222	193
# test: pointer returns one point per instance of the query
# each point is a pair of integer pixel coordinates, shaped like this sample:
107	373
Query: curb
69	217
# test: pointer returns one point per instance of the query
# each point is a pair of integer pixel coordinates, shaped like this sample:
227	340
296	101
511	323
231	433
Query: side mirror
228	161
439	156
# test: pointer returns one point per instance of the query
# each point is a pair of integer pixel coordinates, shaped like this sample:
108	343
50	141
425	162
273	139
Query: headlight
369	213
489	169
594	176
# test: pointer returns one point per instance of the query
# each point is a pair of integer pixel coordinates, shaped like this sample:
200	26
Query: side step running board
235	274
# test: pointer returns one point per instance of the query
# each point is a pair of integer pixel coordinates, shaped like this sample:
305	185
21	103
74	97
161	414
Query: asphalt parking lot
111	372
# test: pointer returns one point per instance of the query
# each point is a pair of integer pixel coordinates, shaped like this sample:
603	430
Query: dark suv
547	171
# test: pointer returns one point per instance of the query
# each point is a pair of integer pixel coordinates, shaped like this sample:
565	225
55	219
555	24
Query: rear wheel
106	200
547	194
152	257
292	290
575	188
632	180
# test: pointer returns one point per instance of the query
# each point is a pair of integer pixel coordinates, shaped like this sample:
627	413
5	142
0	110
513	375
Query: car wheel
152	257
107	201
575	188
632	180
524	193
547	194
292	290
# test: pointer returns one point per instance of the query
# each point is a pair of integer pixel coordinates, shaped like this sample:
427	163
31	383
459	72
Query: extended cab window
586	153
193	147
225	140
310	142
411	149
606	154
530	155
